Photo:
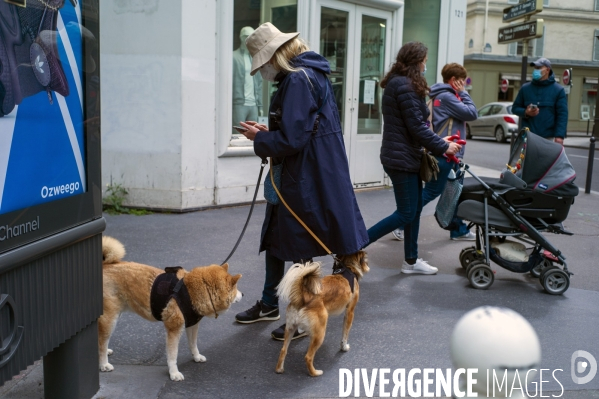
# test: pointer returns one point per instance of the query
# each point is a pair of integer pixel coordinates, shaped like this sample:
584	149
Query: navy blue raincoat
315	180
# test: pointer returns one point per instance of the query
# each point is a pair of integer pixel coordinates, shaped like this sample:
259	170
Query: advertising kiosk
50	193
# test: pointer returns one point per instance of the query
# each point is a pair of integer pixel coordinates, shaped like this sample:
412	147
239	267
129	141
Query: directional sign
527	7
505	84
516	33
566	77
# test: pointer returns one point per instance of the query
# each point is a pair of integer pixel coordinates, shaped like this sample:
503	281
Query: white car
494	120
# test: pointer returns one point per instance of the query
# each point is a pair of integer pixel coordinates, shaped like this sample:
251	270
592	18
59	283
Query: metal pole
522	82
587	187
596	125
588	125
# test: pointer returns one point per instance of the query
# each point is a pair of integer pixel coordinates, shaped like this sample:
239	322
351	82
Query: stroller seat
531	204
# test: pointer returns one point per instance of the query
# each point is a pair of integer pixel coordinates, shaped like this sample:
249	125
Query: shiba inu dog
176	297
312	299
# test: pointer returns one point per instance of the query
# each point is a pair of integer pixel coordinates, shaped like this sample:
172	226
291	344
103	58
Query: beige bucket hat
263	43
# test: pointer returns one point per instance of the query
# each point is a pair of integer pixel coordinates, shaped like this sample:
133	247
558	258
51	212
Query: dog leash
300	220
262	165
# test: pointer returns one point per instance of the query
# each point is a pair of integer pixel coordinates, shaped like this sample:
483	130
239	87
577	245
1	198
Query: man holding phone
541	104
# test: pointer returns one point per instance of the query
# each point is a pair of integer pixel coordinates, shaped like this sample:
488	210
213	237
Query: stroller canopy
543	165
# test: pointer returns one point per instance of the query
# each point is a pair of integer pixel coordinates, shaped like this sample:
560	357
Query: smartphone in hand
240	129
533	106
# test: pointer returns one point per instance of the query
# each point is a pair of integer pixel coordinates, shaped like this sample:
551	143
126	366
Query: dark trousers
407	188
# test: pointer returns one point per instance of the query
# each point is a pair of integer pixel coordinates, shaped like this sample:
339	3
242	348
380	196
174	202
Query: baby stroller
532	195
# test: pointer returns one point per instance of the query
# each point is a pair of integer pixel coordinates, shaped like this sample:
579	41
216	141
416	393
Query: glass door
354	39
335	44
372	28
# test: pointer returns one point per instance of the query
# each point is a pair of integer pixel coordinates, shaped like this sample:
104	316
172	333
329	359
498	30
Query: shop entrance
355	40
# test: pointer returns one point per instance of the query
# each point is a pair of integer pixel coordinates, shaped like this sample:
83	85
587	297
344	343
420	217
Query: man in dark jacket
541	104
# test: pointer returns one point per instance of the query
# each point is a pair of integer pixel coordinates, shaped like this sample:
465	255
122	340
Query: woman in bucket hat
305	135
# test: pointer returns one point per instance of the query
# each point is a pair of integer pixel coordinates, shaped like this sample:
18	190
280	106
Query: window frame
224	71
596	45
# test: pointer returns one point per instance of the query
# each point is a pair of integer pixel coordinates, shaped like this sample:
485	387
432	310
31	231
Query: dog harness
339	268
167	286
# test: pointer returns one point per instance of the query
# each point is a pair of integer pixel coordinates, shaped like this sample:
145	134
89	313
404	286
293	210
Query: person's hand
453	148
251	131
458	85
530	111
260	126
559	140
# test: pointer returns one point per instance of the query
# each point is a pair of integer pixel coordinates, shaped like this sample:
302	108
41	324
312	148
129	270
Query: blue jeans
434	188
407	188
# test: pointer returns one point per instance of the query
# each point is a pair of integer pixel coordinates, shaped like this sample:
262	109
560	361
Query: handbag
446	207
273	178
429	167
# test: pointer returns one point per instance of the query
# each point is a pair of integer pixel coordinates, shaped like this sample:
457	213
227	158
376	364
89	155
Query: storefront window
251	94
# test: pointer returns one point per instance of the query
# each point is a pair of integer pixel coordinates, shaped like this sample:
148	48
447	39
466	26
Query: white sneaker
469	236
420	267
398	234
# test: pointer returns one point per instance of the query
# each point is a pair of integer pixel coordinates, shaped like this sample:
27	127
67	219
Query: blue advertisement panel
42	148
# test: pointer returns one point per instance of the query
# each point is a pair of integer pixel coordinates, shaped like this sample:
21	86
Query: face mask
536	74
268	72
424	72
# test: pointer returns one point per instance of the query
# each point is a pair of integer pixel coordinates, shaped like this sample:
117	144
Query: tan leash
272	180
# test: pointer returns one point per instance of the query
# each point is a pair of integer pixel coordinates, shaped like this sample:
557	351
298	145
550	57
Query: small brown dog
312	299
128	285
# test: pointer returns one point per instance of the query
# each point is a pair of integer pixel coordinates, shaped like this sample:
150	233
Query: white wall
452	28
158	101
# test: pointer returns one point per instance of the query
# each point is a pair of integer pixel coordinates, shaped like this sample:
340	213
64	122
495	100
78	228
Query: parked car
494	120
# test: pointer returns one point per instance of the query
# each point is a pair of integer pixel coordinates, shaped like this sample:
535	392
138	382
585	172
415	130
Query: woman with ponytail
405	133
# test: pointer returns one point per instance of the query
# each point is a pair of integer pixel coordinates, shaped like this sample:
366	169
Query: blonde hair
291	49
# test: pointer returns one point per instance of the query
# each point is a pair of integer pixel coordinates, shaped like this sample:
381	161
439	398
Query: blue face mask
424	72
536	74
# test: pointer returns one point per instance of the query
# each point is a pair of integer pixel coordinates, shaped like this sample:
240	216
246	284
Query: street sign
566	77
468	81
504	85
516	33
527	7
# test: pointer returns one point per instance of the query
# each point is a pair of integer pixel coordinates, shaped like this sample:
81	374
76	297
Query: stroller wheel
555	281
538	269
469	255
481	276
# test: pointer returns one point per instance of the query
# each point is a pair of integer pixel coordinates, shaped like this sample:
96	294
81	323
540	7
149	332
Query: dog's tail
300	279
112	250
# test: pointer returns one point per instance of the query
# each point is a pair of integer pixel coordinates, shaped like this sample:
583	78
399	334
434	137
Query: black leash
262	165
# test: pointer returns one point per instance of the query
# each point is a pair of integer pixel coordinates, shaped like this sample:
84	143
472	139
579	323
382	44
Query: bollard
587	188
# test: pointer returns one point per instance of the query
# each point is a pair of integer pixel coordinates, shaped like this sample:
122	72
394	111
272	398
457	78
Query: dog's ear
226	267
235	279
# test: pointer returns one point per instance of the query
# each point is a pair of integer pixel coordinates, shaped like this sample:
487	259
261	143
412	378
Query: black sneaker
279	333
259	312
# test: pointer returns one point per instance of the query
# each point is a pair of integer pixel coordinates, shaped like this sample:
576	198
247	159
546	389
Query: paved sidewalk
401	321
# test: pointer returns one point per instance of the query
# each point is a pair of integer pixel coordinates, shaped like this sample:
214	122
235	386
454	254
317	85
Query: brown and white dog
312	299
127	286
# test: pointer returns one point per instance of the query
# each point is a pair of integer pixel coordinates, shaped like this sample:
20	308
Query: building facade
174	83
568	41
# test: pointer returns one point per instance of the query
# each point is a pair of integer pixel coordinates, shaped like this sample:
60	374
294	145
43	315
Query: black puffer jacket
405	131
